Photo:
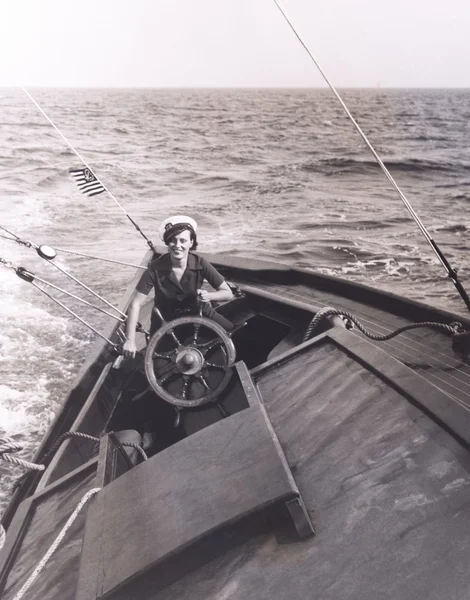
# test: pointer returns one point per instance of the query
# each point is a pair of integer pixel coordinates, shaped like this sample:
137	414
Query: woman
177	278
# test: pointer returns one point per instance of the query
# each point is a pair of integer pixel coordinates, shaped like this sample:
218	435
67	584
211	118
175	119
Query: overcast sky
235	43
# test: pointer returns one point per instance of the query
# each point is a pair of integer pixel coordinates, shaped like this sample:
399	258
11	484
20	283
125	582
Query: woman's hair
177	229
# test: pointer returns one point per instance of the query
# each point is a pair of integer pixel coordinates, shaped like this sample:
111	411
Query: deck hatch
208	481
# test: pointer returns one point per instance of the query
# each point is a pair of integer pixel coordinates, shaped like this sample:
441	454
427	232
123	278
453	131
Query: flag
87	182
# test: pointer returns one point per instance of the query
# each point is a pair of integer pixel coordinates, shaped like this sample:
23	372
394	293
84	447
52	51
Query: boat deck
428	352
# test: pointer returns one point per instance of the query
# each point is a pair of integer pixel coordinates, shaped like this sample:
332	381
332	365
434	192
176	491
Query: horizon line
144	87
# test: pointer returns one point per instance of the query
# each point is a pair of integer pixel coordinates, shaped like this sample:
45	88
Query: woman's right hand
129	349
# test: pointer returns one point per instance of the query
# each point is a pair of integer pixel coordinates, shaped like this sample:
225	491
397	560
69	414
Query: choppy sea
273	174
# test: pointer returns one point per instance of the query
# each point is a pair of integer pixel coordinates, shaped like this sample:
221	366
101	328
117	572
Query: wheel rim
186	369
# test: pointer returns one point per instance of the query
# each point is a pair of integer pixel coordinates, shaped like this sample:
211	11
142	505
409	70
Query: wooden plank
444	408
20	523
113	460
420	390
207	481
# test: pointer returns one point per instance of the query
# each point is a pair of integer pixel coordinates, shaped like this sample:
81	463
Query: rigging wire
16	238
30	277
452	273
123	315
110	260
326	311
418	345
149	242
49	259
74	315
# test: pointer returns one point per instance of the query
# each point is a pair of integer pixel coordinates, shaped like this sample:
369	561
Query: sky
234	43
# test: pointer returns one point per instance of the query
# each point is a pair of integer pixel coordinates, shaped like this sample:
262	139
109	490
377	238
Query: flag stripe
87	181
86	186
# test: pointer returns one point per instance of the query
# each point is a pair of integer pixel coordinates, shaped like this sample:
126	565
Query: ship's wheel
188	361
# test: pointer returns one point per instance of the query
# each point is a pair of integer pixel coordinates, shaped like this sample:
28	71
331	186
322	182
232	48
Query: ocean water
274	174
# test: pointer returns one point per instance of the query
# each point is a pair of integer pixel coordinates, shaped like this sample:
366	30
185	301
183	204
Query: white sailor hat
171	222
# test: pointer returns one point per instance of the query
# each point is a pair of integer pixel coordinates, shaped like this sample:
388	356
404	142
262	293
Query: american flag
87	182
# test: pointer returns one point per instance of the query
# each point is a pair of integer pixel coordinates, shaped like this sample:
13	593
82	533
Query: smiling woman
177	278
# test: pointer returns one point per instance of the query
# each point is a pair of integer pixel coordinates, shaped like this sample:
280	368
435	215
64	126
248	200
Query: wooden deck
426	351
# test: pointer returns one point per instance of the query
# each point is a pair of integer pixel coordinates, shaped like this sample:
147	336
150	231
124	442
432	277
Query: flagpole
149	242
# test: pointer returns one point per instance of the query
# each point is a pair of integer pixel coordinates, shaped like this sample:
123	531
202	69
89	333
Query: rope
450	271
22	463
65	436
7	446
87	166
3	536
329	311
42	563
410	349
86	436
139	449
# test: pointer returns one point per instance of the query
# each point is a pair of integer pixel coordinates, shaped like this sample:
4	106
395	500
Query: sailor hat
171	222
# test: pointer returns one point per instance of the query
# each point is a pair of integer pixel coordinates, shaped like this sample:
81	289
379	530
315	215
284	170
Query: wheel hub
189	361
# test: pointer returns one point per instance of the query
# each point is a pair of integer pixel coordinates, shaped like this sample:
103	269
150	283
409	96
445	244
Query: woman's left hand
204	295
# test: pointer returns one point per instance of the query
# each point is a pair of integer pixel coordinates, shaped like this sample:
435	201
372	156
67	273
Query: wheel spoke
166	356
215	366
175	339
204	382
197	327
208	346
185	388
173	371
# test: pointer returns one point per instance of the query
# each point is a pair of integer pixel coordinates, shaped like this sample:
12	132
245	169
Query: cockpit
184	380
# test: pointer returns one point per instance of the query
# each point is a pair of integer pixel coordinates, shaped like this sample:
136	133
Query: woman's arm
129	348
222	294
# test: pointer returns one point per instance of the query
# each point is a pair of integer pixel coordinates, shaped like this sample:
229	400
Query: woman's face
180	244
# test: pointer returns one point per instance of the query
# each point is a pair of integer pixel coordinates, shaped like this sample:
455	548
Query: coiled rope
42	563
329	311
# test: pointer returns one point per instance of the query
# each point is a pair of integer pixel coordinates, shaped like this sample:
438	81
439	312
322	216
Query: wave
371	270
429	138
460	197
452	228
340	166
52	180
